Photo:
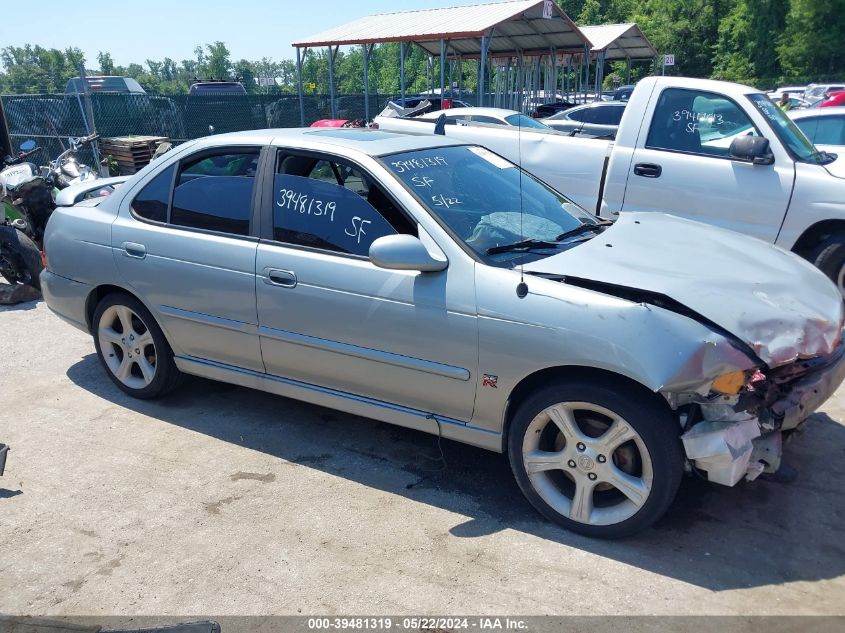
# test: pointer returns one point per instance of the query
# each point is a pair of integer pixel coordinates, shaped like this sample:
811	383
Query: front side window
824	130
608	115
214	193
152	201
488	203
697	122
331	205
580	115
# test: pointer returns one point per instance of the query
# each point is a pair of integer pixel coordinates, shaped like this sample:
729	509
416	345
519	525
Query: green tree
743	50
106	63
218	65
811	43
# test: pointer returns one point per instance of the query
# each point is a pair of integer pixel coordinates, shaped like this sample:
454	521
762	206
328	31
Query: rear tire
602	460
132	348
829	257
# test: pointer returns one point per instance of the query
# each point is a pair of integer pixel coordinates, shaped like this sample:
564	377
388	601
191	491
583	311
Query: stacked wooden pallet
131	152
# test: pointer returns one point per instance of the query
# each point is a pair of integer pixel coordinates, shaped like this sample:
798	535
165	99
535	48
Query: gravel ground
221	500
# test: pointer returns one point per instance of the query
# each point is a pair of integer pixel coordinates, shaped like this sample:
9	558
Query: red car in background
833	99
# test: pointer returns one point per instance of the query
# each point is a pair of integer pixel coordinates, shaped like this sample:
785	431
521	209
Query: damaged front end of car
729	436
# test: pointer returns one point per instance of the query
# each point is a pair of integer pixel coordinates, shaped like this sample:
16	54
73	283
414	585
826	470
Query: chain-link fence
47	118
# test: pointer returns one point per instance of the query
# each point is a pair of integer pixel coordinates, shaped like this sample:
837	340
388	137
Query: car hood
773	301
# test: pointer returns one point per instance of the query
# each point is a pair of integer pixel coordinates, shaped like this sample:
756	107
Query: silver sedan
437	286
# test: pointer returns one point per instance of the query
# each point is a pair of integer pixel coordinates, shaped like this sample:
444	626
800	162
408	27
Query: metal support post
299	86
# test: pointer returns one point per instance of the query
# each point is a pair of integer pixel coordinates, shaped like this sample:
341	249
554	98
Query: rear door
681	166
184	244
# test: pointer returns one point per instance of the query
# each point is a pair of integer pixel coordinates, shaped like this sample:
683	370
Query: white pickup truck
710	151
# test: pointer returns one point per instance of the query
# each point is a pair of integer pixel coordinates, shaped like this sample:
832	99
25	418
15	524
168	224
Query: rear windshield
98	84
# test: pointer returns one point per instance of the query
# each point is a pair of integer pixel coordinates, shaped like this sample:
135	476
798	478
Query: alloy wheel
587	463
127	346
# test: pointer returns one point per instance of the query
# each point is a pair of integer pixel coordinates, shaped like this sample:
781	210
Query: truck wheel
132	348
829	257
598	459
23	257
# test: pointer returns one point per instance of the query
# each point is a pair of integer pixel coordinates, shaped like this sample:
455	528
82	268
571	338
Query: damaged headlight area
738	429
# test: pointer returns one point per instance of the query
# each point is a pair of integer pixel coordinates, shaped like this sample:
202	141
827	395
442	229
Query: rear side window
152	202
214	193
608	115
824	130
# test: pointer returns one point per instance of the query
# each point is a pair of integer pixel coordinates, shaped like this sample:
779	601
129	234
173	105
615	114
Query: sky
154	29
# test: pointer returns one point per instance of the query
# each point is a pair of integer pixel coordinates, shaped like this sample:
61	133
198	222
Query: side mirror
404	252
28	146
751	149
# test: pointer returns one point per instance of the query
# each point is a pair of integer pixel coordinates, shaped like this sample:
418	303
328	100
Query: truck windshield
488	203
789	134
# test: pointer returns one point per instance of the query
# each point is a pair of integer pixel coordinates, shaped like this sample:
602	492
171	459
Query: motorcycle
66	170
28	195
27	200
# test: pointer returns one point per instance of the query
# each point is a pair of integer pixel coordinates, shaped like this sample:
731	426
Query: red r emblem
489	380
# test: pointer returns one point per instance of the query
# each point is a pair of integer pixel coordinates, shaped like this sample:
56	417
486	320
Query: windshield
790	134
520	120
479	195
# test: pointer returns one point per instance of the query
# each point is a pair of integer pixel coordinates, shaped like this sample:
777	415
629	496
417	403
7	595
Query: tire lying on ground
22	254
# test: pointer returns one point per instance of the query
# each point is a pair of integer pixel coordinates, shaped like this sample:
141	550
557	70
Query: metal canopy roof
619	41
518	25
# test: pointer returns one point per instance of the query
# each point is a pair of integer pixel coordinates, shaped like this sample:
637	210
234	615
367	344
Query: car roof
363	140
598	104
495	112
817	112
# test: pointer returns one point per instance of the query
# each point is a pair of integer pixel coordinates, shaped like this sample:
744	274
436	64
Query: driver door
328	317
682	167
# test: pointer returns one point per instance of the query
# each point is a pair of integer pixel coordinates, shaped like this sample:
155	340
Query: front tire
829	257
132	348
601	460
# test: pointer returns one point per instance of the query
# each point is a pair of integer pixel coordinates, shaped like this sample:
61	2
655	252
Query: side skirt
350	403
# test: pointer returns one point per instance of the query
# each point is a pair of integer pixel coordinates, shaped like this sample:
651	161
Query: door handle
283	278
133	249
648	170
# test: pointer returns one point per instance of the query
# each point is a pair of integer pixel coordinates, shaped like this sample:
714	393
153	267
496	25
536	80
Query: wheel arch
815	235
525	387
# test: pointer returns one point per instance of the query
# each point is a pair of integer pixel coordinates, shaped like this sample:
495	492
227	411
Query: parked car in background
833	99
121	107
824	127
494	116
437	103
545	110
622	93
599	119
382	274
796	103
711	151
215	107
797	91
105	83
817	92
